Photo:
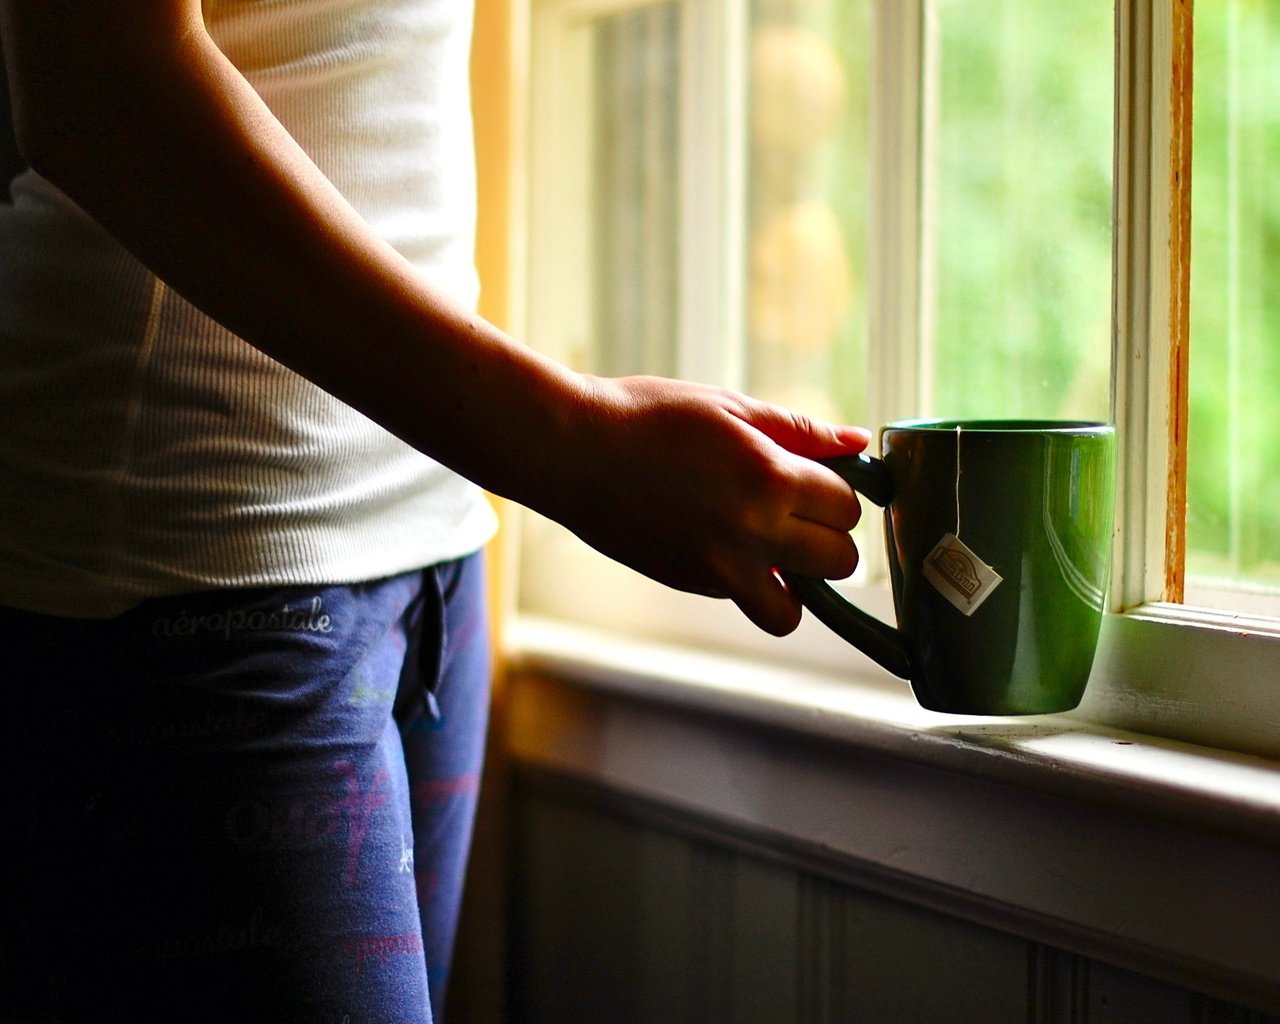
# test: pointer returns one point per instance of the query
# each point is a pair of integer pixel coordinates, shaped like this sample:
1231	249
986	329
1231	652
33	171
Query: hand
709	491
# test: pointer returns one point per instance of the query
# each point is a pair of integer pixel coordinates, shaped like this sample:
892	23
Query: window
869	210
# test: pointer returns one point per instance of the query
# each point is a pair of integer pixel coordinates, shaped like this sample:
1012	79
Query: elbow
51	152
73	157
24	127
76	78
35	142
34	118
31	145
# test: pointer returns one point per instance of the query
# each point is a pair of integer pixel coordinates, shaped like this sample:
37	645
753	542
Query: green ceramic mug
999	541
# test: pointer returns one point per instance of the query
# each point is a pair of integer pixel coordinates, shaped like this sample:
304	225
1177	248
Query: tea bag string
958	481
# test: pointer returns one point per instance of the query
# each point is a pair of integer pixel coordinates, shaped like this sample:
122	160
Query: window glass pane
1233	530
616	237
1020	197
634	200
808	83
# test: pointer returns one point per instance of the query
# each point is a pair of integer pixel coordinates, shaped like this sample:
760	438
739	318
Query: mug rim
1003	426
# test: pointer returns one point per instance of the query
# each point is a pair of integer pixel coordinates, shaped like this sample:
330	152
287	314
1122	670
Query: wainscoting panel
625	914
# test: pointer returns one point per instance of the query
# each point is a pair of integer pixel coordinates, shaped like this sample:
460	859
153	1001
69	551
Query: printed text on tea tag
959	575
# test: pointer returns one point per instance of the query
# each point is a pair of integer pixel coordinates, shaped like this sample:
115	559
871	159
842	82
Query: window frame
1164	668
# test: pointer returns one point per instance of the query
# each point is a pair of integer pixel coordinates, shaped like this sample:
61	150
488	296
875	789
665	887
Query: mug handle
882	643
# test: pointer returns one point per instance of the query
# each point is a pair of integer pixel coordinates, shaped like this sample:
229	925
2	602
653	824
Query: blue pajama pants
242	805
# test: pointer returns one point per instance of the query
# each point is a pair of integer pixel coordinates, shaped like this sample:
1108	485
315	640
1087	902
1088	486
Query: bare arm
131	109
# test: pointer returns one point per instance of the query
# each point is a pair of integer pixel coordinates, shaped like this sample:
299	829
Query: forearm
184	164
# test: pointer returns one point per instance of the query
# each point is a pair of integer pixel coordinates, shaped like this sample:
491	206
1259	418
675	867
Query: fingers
819	493
809	550
798	433
741	494
820	509
770	606
821	496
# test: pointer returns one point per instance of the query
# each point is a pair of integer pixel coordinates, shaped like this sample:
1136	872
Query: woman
246	410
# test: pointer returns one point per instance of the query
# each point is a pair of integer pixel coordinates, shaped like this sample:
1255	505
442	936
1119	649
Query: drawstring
433	705
431	655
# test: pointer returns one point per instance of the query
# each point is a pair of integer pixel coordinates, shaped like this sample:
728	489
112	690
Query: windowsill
1063	754
1203	680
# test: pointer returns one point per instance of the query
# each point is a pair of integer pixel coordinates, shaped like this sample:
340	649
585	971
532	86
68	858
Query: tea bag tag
955	571
959	575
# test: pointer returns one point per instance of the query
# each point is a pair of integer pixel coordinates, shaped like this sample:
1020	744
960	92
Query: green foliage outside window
1233	520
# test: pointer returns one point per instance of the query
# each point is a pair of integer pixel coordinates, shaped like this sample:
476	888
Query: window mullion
559	312
1152	192
897	270
713	192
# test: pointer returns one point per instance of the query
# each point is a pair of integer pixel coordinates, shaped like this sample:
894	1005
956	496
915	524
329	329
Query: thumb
802	435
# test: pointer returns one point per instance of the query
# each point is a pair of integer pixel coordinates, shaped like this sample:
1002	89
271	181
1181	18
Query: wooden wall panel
624	920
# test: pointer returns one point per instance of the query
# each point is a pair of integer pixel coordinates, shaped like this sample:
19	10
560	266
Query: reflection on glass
1233	529
1020	197
808	67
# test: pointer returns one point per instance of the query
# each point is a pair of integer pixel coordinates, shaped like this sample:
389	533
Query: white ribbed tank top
144	450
